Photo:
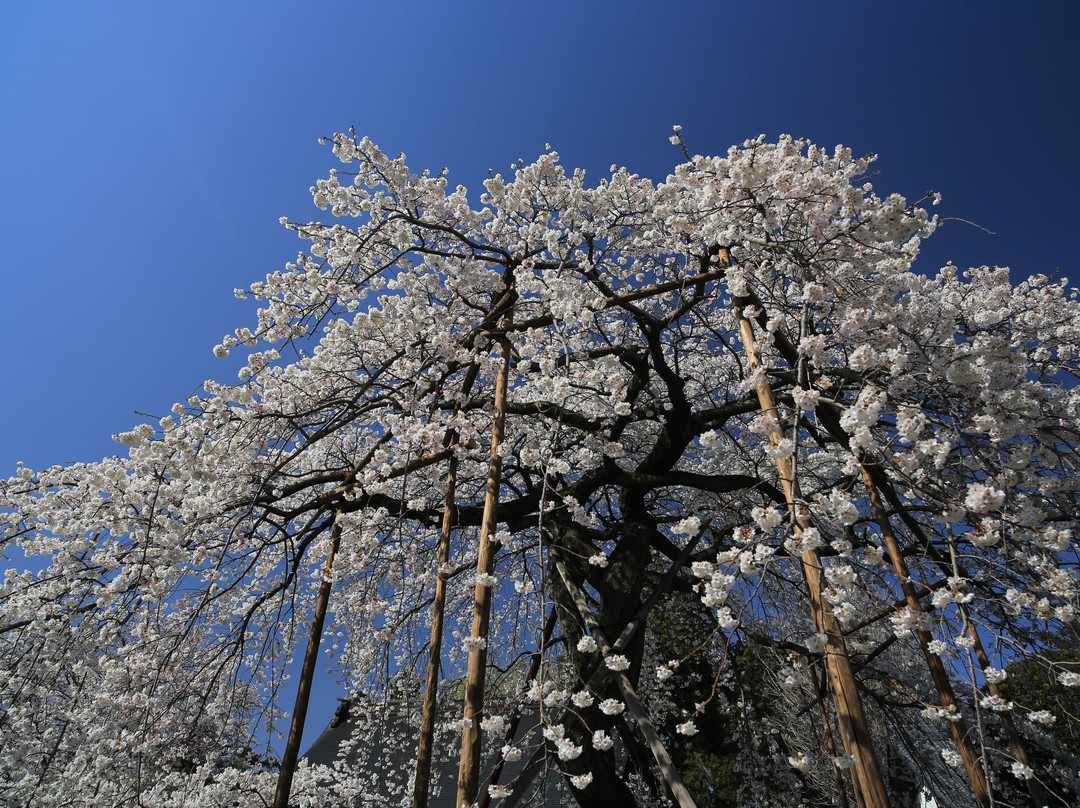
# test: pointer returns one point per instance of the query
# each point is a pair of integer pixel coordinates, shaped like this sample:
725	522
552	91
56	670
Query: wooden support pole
422	781
1039	798
957	726
1038	794
307	674
866	773
830	418
830	745
469	764
1035	789
425	744
311	655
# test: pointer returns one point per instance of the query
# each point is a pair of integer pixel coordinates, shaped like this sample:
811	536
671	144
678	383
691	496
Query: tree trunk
515	719
633	704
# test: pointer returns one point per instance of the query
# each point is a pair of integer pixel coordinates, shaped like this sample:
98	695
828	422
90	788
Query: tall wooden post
1039	799
877	482
422	781
424	750
1038	795
830	746
469	765
307	673
311	655
957	727
854	729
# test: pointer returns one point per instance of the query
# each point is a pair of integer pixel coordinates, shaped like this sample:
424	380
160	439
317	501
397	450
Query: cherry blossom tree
495	443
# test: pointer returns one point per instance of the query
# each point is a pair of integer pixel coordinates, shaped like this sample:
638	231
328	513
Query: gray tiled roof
379	741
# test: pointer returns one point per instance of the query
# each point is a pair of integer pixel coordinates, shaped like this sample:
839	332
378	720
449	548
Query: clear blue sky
147	149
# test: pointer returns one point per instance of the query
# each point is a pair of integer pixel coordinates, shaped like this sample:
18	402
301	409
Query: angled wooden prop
865	773
958	728
311	655
422	782
876	483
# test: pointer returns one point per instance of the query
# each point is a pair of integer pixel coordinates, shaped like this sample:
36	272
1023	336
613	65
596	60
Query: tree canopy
719	417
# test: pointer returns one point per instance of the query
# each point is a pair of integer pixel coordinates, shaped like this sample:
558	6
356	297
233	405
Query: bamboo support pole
1039	798
866	774
1016	743
1038	794
311	654
830	419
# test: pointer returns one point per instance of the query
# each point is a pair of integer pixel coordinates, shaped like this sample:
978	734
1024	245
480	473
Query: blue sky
148	149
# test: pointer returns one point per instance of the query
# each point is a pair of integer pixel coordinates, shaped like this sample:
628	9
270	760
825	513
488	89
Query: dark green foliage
707	759
1032	685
